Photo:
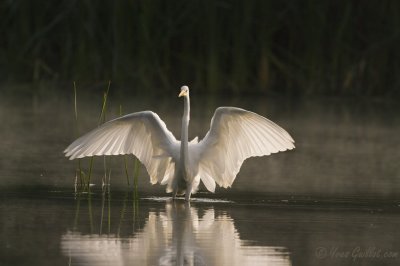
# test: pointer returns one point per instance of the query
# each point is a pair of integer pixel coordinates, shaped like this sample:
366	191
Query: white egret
235	135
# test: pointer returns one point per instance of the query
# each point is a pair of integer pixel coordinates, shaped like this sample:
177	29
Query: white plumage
235	135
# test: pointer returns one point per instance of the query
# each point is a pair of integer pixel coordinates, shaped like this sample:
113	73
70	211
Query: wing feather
235	135
142	134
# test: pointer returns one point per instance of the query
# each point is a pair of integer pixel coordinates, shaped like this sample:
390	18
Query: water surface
60	228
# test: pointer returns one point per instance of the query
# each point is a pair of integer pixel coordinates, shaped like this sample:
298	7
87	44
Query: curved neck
185	133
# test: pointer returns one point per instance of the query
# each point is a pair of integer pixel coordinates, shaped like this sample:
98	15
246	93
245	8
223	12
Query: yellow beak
182	93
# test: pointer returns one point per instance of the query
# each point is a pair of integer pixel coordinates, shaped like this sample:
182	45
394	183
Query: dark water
334	200
54	228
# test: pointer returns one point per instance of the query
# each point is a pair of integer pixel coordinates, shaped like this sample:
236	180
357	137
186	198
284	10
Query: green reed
106	195
80	173
136	172
125	156
102	120
85	179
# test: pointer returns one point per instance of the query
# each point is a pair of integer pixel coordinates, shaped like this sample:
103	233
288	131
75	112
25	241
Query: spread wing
143	134
235	135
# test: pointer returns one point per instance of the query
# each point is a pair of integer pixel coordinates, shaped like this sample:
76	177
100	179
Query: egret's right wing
142	134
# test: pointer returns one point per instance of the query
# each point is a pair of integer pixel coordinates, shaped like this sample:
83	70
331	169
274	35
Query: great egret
235	135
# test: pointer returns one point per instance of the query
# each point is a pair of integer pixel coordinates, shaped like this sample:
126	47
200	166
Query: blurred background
289	48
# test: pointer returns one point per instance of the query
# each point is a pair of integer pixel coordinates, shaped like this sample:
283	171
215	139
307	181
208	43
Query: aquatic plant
85	179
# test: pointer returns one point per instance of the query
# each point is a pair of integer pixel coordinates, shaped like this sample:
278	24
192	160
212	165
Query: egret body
235	135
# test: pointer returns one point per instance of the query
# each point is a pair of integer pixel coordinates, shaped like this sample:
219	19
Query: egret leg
187	197
188	193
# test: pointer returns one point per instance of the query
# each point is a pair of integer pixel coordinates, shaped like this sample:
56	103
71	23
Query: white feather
235	135
143	134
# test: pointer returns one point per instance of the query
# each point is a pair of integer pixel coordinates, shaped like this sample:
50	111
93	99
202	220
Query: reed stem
135	178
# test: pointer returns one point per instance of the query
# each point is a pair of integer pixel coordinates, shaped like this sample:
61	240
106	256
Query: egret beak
182	93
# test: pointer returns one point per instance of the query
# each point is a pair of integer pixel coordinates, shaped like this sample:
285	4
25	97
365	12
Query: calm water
334	200
54	228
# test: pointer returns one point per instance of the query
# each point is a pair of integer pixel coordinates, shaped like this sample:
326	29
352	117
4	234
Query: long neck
185	133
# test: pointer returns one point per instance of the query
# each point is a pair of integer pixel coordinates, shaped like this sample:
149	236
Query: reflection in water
174	236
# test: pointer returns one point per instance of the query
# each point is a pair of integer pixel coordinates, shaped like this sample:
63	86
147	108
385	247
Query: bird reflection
176	236
183	223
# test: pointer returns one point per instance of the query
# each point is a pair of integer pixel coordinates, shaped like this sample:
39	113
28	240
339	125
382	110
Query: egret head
184	91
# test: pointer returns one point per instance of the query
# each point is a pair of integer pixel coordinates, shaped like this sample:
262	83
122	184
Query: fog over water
343	147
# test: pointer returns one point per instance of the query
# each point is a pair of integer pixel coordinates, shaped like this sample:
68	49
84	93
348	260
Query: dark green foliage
283	47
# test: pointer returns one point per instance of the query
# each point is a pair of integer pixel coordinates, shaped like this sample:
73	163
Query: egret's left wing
235	135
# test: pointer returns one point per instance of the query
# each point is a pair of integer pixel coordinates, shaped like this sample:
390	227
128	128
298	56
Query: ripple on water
201	200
